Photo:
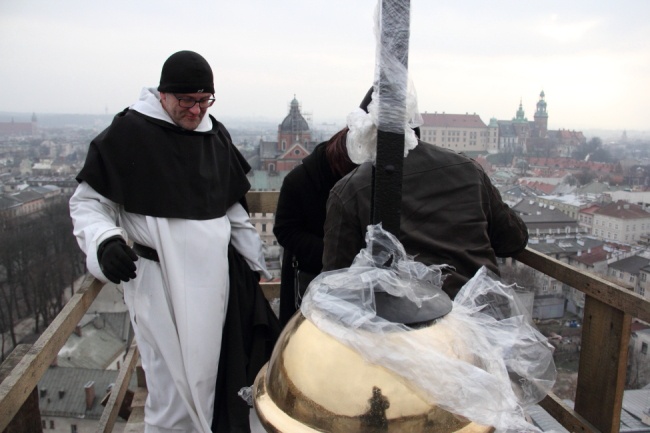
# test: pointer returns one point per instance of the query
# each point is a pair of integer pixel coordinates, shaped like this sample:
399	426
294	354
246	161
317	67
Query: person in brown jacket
450	214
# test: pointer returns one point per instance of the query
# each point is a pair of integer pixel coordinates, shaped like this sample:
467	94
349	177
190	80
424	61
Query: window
73	428
44	424
644	348
51	423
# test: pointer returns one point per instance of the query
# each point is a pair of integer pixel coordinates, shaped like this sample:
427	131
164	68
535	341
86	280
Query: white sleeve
94	219
246	240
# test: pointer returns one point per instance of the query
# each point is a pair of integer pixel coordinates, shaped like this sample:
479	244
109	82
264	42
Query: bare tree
41	258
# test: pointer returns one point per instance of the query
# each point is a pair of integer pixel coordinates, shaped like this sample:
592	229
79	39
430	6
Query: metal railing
608	314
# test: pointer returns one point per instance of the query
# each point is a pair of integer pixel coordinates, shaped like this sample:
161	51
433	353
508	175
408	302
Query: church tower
541	117
520	117
293	129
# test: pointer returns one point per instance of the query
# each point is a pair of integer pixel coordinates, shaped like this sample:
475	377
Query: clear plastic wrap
484	362
395	110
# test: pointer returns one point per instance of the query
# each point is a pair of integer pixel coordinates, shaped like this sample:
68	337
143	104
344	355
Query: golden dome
314	383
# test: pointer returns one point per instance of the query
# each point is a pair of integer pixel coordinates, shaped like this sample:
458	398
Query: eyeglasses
190	102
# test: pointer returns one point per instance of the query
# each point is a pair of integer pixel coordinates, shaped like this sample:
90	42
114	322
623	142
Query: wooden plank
141	377
271	290
262	201
28	418
598	288
136	421
18	385
602	367
135	424
569	418
139	398
112	410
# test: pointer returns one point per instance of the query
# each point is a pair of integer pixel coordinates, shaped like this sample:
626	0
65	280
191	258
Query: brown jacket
450	214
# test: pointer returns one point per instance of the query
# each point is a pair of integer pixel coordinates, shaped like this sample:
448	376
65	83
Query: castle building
513	134
468	133
520	135
459	132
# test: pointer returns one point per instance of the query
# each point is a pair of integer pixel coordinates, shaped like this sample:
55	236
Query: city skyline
591	60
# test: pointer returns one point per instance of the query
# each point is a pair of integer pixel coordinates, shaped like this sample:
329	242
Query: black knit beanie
186	72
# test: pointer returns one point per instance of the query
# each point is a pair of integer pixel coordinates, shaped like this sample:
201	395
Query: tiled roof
442	120
62	391
7	202
631	265
565	246
591	209
104	337
589	258
623	210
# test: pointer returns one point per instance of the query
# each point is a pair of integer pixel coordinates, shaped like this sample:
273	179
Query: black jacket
299	221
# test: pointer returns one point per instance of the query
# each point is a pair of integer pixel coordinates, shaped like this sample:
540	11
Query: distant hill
50	120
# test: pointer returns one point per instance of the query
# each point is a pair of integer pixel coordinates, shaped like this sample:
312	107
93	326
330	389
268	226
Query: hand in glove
116	259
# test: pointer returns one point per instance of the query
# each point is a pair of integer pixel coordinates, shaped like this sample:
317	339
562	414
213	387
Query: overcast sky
591	58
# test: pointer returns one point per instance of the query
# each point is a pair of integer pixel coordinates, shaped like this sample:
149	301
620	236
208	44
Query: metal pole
392	87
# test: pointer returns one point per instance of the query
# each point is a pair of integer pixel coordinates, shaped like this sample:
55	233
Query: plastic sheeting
399	110
484	362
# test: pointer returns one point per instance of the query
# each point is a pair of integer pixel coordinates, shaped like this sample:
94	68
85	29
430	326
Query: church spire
541	106
541	117
520	116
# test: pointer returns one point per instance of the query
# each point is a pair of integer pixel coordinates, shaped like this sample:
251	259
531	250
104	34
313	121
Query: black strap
145	252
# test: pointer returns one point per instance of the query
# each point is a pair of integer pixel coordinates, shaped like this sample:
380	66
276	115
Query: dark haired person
166	178
300	216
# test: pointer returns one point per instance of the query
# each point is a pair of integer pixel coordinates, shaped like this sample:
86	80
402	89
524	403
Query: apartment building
621	222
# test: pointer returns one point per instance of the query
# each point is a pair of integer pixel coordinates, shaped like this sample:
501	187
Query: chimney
89	387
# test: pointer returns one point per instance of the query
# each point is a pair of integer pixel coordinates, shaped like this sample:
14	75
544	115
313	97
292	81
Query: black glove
116	259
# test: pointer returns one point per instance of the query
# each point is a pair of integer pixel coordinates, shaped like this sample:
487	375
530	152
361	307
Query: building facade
621	222
459	132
